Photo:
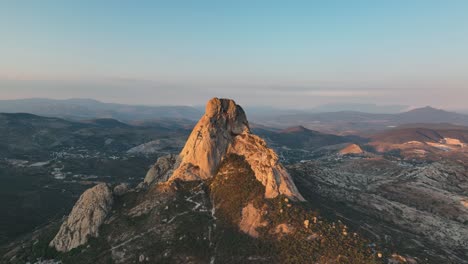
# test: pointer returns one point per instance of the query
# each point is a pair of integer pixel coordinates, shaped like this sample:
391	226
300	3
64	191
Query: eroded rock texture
223	130
161	170
86	217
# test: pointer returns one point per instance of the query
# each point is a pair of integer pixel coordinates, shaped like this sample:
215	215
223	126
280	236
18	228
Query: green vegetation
233	188
320	242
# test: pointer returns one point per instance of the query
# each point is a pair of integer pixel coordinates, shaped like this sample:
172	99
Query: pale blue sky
284	53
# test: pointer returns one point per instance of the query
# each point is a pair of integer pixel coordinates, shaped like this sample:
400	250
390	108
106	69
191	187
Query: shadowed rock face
86	217
223	130
161	170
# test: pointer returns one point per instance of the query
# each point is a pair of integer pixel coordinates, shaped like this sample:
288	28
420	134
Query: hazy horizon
318	108
267	53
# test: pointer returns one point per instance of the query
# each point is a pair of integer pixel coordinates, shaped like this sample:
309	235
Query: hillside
46	163
228	199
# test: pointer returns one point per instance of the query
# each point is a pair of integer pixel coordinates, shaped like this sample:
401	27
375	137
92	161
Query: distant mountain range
303	138
79	109
368	108
351	122
340	122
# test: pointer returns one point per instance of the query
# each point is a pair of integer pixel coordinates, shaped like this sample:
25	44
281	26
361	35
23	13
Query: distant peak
295	129
425	109
83	100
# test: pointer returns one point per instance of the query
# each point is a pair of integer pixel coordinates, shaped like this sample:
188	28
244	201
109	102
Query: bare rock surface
161	170
210	138
351	149
266	166
251	220
86	217
223	130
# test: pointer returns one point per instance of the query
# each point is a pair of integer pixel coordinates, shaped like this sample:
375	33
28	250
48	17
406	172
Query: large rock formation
223	130
86	217
210	139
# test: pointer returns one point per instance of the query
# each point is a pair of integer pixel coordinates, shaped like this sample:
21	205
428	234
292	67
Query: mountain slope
430	115
34	137
229	200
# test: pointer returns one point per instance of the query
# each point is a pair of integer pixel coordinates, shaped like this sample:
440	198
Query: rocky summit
226	198
224	130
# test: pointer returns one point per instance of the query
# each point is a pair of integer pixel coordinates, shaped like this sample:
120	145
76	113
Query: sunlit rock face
351	149
86	217
223	130
266	166
210	138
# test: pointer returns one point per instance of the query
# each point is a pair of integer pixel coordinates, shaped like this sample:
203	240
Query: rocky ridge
88	214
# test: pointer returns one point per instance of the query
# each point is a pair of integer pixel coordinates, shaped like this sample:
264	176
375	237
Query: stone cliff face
161	170
223	130
210	139
86	217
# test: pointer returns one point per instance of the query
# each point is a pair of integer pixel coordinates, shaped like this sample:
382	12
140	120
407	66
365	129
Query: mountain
79	109
225	198
422	133
352	122
430	115
367	108
298	143
424	142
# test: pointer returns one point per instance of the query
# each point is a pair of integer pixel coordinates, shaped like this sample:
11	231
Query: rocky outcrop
161	170
351	149
251	219
224	130
210	139
266	166
86	217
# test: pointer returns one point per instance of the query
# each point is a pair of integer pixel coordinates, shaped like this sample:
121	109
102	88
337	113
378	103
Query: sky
294	54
